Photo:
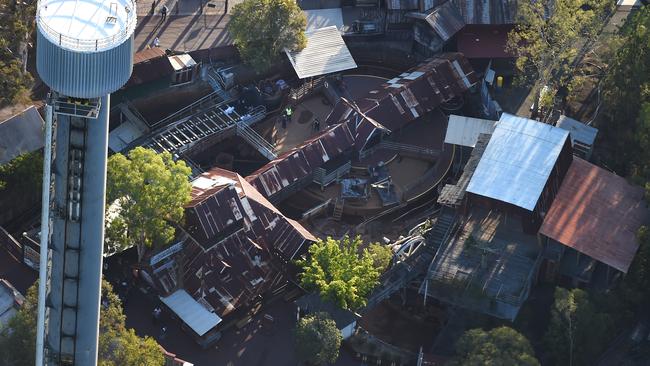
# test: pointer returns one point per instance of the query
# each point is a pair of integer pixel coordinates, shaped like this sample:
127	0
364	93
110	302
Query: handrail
88	45
179	114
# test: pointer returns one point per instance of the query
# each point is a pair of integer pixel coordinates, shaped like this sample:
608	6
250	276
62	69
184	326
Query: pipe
45	233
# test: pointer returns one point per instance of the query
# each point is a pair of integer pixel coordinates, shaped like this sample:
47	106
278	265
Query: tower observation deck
84	53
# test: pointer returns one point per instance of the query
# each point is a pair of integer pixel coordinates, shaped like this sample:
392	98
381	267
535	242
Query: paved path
190	24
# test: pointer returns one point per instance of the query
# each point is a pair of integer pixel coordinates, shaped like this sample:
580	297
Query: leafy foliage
17	25
117	345
625	123
262	29
549	36
23	174
577	328
147	192
340	271
499	346
317	339
381	256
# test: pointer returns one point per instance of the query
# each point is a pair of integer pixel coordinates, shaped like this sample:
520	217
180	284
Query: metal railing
88	45
189	110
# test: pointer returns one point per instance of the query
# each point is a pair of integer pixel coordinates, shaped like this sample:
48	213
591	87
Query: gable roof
405	97
518	161
325	53
20	134
598	214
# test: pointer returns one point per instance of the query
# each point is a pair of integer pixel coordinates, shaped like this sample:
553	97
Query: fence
28	253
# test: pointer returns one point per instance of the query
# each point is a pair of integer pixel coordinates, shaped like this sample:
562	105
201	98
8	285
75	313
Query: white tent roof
464	131
325	53
321	18
195	315
517	161
179	62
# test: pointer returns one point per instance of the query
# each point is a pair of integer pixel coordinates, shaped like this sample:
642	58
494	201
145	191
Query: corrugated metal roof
325	53
180	62
407	97
20	134
578	130
484	41
299	162
464	131
446	20
517	161
148	54
487	11
321	18
195	315
598	214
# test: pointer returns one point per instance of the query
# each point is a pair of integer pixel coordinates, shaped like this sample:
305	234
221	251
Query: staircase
255	140
132	114
338	209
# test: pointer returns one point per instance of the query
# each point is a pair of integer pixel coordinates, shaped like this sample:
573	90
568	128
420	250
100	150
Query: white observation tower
84	52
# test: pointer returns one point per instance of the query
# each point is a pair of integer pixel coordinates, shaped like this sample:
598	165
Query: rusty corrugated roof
446	20
408	96
598	214
301	161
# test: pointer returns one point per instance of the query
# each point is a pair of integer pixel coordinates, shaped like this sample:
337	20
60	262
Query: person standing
163	12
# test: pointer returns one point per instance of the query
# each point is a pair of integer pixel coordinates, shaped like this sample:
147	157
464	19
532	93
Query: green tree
146	194
549	36
499	346
381	256
317	339
17	23
625	123
635	288
578	330
262	29
117	345
340	271
22	175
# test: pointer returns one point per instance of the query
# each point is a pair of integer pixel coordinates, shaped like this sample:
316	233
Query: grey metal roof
464	131
312	303
487	11
517	161
325	53
195	315
21	134
446	20
577	130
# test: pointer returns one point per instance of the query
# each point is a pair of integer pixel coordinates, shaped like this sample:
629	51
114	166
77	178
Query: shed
518	161
20	134
191	312
325	53
10	301
582	135
346	320
598	214
464	131
445	20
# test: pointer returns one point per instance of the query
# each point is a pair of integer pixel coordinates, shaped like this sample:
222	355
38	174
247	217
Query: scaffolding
487	266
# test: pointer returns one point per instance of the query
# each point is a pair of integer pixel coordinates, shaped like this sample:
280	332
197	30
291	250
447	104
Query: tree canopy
117	345
145	195
578	330
381	256
625	123
17	20
22	175
317	339
262	29
340	271
499	346
549	36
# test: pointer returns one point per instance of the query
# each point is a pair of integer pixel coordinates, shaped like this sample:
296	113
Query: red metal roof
484	41
598	214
